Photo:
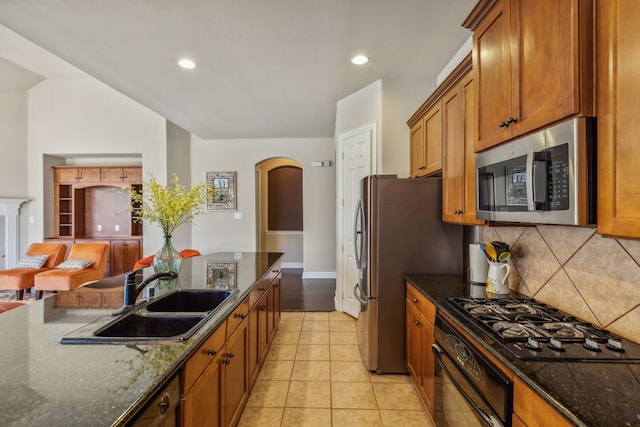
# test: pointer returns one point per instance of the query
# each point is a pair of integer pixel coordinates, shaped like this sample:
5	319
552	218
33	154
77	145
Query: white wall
179	163
82	116
388	103
218	230
14	177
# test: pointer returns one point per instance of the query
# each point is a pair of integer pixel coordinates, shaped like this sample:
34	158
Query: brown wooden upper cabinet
458	169
130	174
77	175
426	142
618	109
532	65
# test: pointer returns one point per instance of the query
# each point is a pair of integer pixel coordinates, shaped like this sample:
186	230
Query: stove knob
615	344
592	345
555	344
533	344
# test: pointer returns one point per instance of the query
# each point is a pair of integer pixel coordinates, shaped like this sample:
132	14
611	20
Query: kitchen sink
173	317
189	301
136	325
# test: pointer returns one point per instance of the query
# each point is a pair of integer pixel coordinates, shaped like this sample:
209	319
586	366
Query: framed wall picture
224	186
221	275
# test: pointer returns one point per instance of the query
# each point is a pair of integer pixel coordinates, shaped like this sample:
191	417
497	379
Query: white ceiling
266	68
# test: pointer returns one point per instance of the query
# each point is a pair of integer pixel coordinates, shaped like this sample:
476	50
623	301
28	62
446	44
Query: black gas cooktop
535	331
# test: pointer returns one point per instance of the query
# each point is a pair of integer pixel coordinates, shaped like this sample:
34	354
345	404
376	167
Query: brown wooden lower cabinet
124	254
216	380
420	338
532	411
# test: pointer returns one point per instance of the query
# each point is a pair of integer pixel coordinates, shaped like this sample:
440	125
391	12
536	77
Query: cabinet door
133	174
277	310
88	175
618	110
66	175
124	254
202	405
546	61
492	72
433	139
468	91
427	371
236	373
414	343
418	163
454	156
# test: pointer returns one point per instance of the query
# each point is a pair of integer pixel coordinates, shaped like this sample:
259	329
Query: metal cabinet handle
212	352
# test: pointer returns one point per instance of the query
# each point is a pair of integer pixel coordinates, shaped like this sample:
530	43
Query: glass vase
167	258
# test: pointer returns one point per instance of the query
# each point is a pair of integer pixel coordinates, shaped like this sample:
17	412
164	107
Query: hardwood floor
300	294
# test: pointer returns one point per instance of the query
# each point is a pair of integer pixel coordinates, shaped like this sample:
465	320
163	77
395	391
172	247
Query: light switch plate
237	215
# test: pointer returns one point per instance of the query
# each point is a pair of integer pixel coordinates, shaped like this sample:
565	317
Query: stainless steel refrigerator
398	230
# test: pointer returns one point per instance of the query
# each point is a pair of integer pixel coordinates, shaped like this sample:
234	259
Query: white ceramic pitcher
497	276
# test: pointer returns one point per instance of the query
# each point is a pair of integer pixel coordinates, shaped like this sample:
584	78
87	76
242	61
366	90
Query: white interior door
356	158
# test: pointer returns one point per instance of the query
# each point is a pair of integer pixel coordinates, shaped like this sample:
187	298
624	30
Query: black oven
469	389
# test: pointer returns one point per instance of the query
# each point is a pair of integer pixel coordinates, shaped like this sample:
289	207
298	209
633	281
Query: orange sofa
63	279
21	278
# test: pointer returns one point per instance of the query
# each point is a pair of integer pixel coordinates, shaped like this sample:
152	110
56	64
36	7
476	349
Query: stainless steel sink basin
137	325
189	301
173	317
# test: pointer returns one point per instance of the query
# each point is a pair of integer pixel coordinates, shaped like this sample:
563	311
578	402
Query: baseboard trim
319	275
292	265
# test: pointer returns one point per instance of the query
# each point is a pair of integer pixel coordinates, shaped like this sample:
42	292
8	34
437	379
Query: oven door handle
488	418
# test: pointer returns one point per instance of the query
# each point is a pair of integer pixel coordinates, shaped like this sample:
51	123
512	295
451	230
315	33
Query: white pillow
75	264
32	261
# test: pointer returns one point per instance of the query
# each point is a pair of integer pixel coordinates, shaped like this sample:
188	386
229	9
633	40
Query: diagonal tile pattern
314	376
593	277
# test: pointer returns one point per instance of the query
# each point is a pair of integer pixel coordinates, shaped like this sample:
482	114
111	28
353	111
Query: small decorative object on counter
498	254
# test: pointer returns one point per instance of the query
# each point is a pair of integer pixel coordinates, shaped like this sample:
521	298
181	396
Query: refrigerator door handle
358	234
357	292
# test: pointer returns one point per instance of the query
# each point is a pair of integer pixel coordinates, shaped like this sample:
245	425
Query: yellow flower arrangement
171	205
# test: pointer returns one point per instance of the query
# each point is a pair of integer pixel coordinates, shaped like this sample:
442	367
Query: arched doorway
280	215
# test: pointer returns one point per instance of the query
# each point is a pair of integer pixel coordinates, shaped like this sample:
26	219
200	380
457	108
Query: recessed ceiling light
187	63
360	59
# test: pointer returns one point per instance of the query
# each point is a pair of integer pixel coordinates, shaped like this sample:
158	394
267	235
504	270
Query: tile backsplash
594	278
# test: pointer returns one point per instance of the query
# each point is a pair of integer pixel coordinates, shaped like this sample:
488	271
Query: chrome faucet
131	290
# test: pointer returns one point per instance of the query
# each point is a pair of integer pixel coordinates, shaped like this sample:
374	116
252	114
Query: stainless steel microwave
544	178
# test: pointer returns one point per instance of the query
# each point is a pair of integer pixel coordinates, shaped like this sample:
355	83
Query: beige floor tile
290	325
292	315
275	370
349	371
286	337
282	352
314	337
339	315
346	353
271	394
312	352
316	315
390	378
315	325
311	370
252	417
397	418
396	396
309	394
343	338
307	417
352	395
356	418
342	326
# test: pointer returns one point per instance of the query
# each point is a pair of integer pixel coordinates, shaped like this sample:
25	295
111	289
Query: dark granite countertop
45	383
588	393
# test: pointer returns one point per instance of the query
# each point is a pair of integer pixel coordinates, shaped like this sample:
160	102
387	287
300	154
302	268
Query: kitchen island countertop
45	383
587	393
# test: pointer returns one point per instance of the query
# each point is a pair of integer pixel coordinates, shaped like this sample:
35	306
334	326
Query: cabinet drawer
425	306
201	359
238	315
258	291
